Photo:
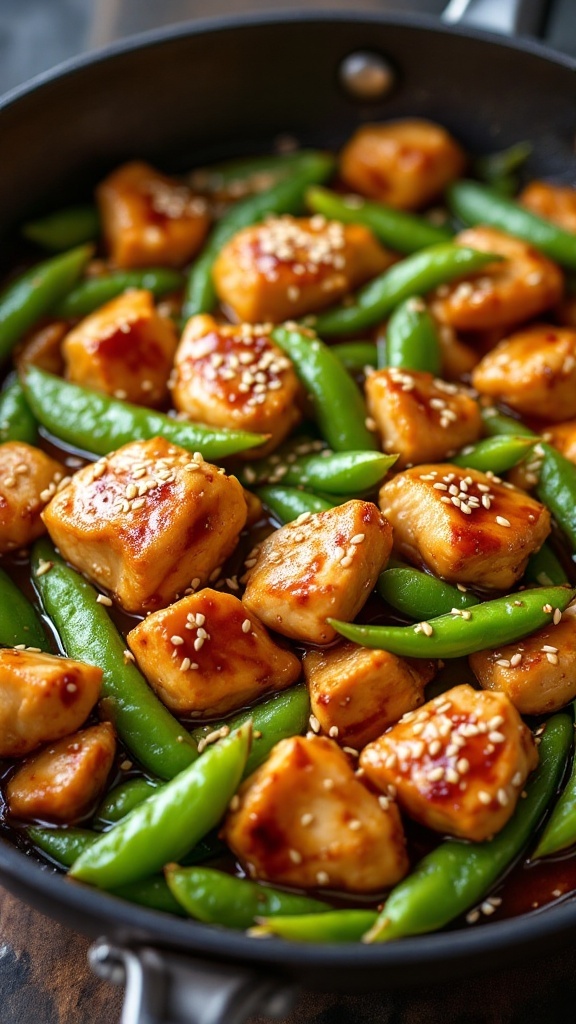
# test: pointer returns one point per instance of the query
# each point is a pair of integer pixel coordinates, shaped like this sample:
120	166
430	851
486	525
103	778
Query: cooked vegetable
93	292
421	596
288	503
19	621
356	355
412	338
16	420
404	232
64	228
346	473
494	454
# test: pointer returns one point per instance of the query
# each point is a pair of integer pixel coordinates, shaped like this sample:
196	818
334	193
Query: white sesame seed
322	877
295	856
502	521
484	797
103	599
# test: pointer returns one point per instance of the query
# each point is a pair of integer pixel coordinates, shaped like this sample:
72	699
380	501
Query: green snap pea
356	355
98	424
416	275
500	169
252	173
333	926
94	292
474	203
151	733
123	799
287	503
545	569
496	423
457	875
16	420
286	196
347	472
502	620
494	454
64	228
339	406
171	821
19	620
35	293
217	898
412	338
404	232
560	831
419	595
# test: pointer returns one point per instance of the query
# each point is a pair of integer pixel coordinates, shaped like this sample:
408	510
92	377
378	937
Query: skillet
180	98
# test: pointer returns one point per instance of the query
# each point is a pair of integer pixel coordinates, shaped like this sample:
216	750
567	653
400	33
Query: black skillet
178	98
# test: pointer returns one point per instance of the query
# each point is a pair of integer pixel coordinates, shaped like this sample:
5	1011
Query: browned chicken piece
553	202
304	819
463	525
147	520
149	219
533	371
254	507
125	349
458	764
538	673
356	693
519	287
458	358
563	437
234	376
526	474
421	417
28	480
42	698
406	163
43	348
64	781
319	566
288	266
206	655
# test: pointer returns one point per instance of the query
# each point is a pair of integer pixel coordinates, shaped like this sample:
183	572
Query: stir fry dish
287	533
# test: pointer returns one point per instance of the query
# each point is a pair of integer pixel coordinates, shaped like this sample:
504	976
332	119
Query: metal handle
165	988
508	17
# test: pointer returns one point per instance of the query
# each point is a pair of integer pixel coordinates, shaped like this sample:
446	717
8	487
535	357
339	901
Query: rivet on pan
366	75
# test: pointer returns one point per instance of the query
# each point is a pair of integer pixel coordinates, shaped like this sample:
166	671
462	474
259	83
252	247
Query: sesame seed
314	724
496	737
557	616
515	659
503	663
484	797
295	856
547	609
384	802
333	731
246	626
354	825
552	658
548	649
43	567
472	916
322	877
102	599
426	628
176	640
462	765
306	819
358	538
502	521
328	783
502	797
234	803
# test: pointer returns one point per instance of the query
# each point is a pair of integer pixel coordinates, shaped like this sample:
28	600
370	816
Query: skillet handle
508	17
165	988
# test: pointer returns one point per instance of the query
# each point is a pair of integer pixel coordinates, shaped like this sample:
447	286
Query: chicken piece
43	348
146	520
521	286
124	349
553	202
538	673
533	371
463	525
406	163
149	219
236	377
28	479
565	311
356	693
563	437
42	698
458	764
421	417
321	565
304	819
287	267
458	358
63	782
206	655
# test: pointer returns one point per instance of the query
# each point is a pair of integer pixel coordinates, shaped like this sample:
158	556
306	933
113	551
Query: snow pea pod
94	292
412	338
356	355
35	292
286	196
495	454
339	406
64	228
123	799
416	275
457	875
560	831
171	821
333	926
474	203
545	569
150	732
287	503
404	232
16	420
496	423
217	898
96	423
19	620
347	472
252	173
503	620
500	169
419	595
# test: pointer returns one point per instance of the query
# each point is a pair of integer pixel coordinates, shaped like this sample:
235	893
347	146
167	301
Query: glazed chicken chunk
458	764
64	781
42	698
125	349
287	267
533	371
319	566
404	163
420	417
28	480
563	437
206	655
147	520
553	202
538	673
463	525
149	219
356	693
304	819
234	376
